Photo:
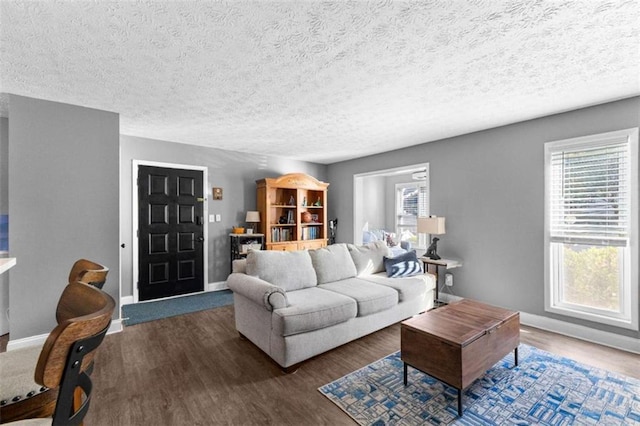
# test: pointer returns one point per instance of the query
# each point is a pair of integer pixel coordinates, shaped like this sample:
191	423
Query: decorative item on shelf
306	217
282	220
292	201
304	202
434	226
318	203
217	193
314	218
237	230
252	218
290	218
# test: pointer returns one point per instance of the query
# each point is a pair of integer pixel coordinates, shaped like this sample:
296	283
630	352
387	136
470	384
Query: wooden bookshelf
283	202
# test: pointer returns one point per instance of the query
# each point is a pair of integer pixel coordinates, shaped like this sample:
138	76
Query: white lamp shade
253	217
431	225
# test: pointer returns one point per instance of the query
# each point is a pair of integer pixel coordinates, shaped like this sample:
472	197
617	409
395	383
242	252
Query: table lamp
435	226
251	219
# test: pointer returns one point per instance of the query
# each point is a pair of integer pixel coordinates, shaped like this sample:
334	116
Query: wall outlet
212	218
448	280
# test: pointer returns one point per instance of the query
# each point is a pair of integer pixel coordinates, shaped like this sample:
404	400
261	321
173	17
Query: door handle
200	239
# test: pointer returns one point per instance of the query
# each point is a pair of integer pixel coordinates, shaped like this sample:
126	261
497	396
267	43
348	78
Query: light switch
218	217
212	218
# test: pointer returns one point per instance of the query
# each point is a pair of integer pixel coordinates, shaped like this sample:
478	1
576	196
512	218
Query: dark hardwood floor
195	370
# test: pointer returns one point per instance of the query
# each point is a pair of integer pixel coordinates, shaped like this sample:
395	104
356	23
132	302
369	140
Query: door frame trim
135	164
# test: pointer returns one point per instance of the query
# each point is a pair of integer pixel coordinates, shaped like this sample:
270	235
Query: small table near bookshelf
241	244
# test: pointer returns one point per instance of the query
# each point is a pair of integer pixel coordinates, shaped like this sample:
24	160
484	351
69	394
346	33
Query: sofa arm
258	291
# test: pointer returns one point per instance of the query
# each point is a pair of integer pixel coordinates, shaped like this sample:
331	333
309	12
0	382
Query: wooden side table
432	266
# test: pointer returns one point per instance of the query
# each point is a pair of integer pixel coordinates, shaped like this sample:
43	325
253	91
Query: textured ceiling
320	81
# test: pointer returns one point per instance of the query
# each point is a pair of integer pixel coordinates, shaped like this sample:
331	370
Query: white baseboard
581	332
217	286
445	297
27	342
600	337
115	327
126	300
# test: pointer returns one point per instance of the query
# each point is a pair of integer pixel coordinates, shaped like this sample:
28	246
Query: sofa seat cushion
17	369
289	270
370	297
312	309
407	287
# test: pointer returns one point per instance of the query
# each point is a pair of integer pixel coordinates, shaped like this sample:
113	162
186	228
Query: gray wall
490	187
234	172
4	165
4	209
374	200
63	204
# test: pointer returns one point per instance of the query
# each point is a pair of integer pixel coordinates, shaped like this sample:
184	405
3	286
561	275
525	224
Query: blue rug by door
149	311
545	389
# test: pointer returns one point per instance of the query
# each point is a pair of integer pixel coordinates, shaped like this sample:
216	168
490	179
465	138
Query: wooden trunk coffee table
459	342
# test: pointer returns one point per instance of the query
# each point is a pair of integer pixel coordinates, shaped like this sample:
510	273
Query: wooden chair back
85	314
88	272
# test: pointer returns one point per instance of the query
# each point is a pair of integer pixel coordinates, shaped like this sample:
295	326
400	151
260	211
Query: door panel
171	227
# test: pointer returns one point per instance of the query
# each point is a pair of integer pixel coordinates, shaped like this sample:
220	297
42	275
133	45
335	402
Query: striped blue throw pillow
405	265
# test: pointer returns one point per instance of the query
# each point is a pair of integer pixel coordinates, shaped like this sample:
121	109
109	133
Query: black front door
170	235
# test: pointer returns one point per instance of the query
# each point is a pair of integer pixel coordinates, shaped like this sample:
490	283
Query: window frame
628	317
421	244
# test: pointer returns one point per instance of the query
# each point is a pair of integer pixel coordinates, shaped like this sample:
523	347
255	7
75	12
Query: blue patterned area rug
150	311
545	389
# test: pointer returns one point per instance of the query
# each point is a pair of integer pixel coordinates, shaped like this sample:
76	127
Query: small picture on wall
217	193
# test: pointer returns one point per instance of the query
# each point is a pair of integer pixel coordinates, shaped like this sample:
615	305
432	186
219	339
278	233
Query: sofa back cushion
369	258
332	263
289	270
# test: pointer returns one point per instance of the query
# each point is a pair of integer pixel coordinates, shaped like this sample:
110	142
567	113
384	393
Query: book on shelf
311	233
281	234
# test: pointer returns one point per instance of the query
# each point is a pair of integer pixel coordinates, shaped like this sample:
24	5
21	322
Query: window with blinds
591	191
590	196
412	201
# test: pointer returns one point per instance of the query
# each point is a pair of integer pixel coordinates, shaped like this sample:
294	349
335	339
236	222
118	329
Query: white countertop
7	263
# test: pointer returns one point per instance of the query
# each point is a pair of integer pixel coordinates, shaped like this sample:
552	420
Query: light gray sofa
295	305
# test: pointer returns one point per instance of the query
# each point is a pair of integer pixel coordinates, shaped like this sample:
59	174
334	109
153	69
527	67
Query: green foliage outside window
592	276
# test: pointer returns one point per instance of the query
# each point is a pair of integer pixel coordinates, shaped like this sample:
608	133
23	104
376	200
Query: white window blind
423	200
412	201
590	196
